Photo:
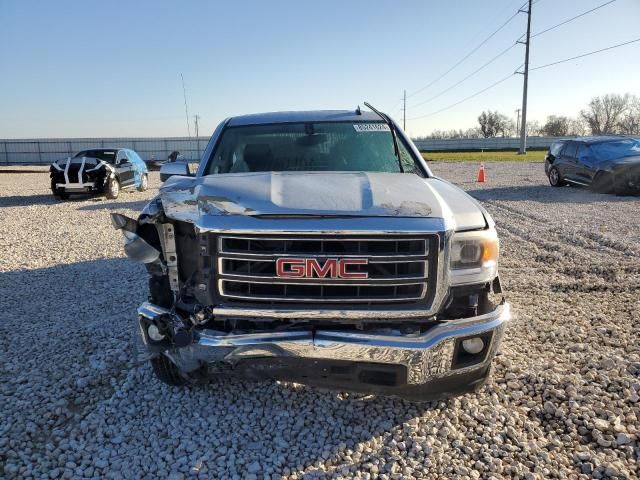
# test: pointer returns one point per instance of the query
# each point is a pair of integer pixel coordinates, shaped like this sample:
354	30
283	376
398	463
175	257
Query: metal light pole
523	125
404	112
186	111
195	121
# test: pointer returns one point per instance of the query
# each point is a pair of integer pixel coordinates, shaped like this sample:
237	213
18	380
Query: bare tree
578	127
533	128
509	128
556	126
473	133
630	122
493	124
604	114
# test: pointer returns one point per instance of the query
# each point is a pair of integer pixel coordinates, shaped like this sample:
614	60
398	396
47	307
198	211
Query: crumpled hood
345	194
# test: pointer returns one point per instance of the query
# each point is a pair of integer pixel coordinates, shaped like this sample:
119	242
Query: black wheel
603	182
112	189
58	193
144	183
167	372
555	179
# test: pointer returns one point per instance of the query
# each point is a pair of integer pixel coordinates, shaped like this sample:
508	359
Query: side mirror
174	168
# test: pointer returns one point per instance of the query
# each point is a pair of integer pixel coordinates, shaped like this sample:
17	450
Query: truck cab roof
303	116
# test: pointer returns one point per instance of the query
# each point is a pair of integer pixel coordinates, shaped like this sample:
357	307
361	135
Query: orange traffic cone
481	177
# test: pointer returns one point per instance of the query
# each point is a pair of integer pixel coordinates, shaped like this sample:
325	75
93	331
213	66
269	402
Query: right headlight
474	257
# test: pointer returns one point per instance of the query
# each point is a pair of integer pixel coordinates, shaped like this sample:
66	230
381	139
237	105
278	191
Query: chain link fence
46	150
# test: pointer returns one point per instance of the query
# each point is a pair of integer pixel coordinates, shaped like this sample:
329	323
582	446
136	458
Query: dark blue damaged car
608	164
104	171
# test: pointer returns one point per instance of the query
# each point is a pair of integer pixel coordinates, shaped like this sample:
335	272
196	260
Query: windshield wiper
392	127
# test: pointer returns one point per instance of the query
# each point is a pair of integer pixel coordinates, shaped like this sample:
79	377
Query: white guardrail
479	144
46	150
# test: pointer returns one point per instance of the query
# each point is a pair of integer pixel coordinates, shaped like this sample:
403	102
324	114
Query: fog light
473	345
154	333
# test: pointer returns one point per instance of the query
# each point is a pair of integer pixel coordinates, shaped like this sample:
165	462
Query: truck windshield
320	146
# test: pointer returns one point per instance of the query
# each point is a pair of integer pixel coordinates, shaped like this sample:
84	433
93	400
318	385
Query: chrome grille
397	267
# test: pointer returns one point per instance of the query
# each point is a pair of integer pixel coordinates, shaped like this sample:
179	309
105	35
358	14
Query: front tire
167	372
112	188
603	182
144	183
60	194
555	179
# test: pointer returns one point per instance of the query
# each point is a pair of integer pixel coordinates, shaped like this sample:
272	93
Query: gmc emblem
311	268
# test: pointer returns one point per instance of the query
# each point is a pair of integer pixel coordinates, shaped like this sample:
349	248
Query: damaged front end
151	240
216	307
79	175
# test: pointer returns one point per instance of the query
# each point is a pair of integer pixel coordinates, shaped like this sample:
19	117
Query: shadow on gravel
115	205
70	328
49	199
73	363
547	194
27	200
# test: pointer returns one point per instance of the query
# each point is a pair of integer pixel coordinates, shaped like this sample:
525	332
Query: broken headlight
474	257
136	247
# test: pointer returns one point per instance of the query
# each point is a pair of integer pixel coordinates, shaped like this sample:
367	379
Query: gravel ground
563	401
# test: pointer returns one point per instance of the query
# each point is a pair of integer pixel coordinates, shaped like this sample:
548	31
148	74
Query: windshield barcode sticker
371	127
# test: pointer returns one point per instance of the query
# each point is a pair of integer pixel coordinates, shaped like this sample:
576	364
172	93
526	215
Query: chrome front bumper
427	356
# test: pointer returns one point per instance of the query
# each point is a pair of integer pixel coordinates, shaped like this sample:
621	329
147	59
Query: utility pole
195	121
404	112
523	125
518	120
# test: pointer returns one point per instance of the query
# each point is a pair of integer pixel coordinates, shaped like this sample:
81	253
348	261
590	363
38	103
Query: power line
531	69
572	18
586	54
465	78
474	50
396	104
466	98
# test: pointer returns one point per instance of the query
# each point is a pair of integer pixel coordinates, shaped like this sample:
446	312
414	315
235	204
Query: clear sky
81	68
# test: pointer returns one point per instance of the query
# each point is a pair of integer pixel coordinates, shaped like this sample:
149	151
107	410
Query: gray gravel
564	401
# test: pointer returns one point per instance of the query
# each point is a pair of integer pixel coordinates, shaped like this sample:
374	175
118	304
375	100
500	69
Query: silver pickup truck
317	247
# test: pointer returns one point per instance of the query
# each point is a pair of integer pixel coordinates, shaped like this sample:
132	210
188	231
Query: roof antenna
358	111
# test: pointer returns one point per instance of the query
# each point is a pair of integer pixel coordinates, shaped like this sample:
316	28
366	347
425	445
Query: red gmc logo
311	267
